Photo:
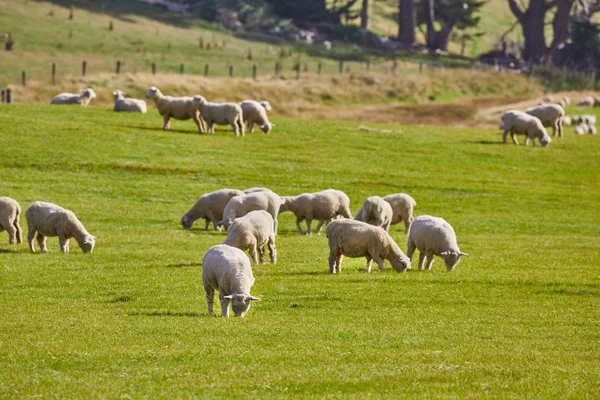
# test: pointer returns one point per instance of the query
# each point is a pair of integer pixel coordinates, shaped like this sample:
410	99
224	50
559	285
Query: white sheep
256	113
583	128
550	115
568	121
266	105
51	220
433	236
376	211
402	206
588	119
518	122
228	270
353	238
324	206
182	108
241	205
256	189
209	206
222	114
587	101
253	231
10	211
565	101
82	99
123	103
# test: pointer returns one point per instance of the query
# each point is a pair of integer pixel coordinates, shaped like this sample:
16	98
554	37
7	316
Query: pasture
518	318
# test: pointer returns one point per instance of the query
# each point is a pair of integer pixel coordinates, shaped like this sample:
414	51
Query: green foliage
583	51
519	317
556	79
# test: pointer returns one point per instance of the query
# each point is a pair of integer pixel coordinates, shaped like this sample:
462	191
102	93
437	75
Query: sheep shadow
12	251
185	314
183	265
488	142
148	128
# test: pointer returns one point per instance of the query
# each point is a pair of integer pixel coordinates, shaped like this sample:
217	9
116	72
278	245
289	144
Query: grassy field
518	318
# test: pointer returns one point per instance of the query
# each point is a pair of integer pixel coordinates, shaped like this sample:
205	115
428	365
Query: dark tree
406	22
532	25
364	14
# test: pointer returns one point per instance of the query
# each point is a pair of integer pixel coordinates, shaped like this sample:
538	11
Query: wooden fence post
181	69
206	68
297	68
319	67
23	78
153	69
2	94
341	67
8	96
368	65
254	71
231	71
277	69
53	73
118	67
83	68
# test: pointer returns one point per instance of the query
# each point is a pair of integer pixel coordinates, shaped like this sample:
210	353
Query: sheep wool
10	212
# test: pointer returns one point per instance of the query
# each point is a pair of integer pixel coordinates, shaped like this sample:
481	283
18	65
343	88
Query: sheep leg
309	225
421	259
206	223
387	226
210	299
335	261
379	261
319	225
504	134
429	260
261	254
406	226
253	252
410	249
560	127
251	126
64	243
554	128
211	127
272	249
30	236
199	123
369	262
41	239
19	233
339	263
513	136
166	122
12	231
275	225
236	128
298	220
224	305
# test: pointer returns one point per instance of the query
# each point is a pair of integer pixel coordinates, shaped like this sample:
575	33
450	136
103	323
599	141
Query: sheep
10	211
517	122
402	206
128	104
586	119
255	112
568	121
82	99
376	211
565	101
222	114
256	189
323	206
253	230
209	206
550	115
587	101
241	205
583	128
51	220
182	108
227	269
353	238
433	236
266	105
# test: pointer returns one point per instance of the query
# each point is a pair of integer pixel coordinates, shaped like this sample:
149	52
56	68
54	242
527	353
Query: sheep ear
254	298
444	253
463	254
230	297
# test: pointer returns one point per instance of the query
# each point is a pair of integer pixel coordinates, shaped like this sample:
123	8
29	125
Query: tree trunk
532	24
430	20
560	24
364	14
406	22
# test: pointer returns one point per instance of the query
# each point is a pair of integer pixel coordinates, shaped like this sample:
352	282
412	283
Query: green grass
519	318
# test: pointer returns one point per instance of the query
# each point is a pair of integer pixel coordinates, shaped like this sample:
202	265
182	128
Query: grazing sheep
324	206
568	121
266	105
227	269
586	119
583	128
433	236
253	231
181	108
128	104
353	238
222	114
565	101
256	189
517	122
51	220
255	113
10	211
82	99
209	206
587	101
550	115
376	211
241	205
402	206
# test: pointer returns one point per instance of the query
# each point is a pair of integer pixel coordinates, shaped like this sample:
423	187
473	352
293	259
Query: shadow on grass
190	314
148	128
489	142
183	265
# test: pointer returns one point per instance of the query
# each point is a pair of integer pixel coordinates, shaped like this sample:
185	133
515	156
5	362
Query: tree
406	22
532	25
364	14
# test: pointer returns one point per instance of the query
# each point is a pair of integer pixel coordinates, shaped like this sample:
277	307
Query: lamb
182	108
82	99
128	104
255	112
222	114
402	206
323	206
10	211
209	206
433	236
376	211
227	269
241	205
353	238
51	220
253	230
550	115
517	122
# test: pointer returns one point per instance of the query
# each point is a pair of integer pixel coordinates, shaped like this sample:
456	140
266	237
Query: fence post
118	67
23	78
83	68
421	67
277	69
181	69
319	67
153	69
2	92
368	65
206	68
8	96
341	67
254	71
53	73
297	68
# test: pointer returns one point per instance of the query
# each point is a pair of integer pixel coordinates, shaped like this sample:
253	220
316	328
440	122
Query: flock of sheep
183	108
533	122
250	218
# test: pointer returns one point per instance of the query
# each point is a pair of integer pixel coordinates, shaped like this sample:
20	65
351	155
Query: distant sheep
567	120
241	205
433	236
181	108
228	270
256	113
377	212
323	206
253	231
583	128
517	122
128	104
10	211
587	101
209	206
550	115
222	114
353	238
82	99
586	119
402	206
48	219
